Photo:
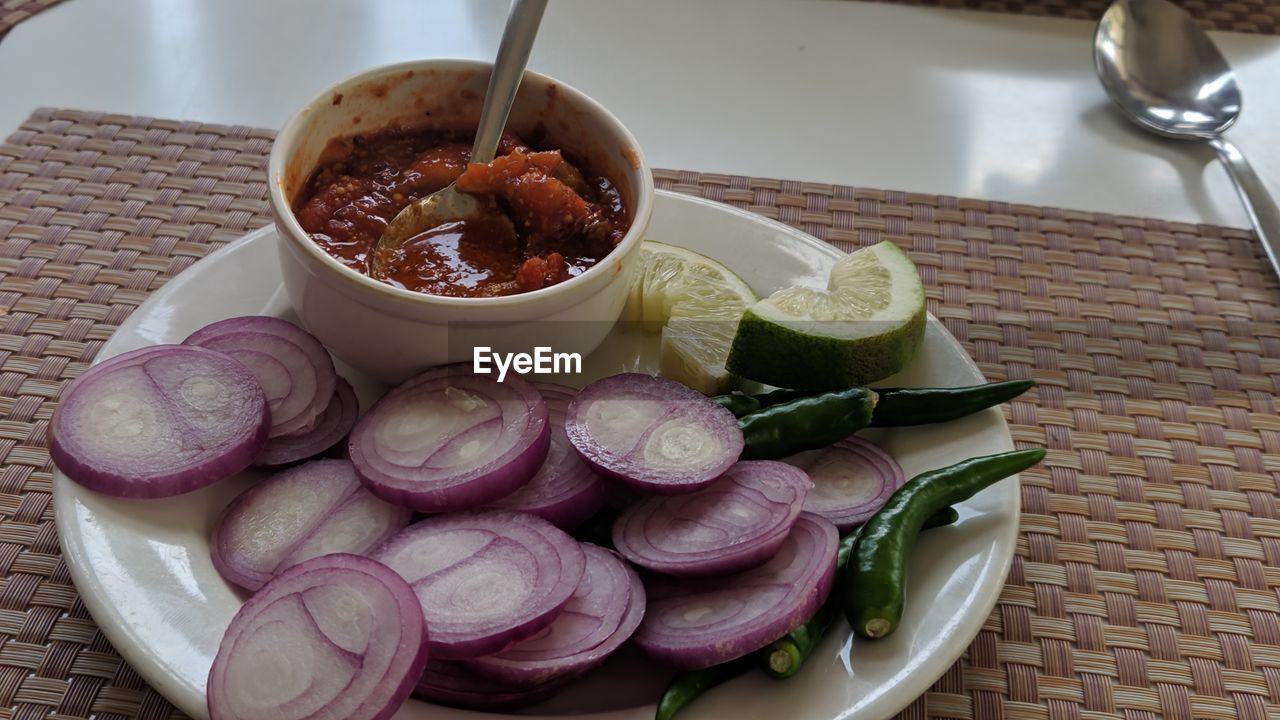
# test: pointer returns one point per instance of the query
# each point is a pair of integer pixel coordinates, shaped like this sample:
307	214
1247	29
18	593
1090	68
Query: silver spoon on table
1164	72
449	204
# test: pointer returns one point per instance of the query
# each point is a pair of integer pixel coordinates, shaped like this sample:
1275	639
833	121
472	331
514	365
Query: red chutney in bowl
552	218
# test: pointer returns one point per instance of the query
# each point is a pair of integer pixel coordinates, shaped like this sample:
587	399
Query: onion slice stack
487	579
159	421
292	366
449	439
565	491
311	510
602	614
699	622
449	683
339	637
735	523
653	433
332	426
851	481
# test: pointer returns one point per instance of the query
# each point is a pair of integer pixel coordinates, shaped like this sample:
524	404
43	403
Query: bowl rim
292	231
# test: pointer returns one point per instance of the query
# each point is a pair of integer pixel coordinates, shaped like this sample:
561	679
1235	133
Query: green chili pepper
688	685
738	404
777	397
922	406
784	657
918	406
946	516
807	423
875	582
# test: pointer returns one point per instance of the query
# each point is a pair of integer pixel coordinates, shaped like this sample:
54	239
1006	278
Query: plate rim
150	667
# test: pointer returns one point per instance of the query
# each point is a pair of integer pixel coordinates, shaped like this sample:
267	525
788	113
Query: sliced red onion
298	514
653	433
487	579
565	491
449	439
334	424
159	421
603	612
851	481
735	523
339	637
449	683
292	366
699	622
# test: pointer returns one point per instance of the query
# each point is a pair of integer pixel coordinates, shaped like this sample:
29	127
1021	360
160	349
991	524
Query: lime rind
866	325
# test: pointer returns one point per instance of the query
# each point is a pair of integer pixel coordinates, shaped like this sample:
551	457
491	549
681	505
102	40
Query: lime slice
866	325
697	303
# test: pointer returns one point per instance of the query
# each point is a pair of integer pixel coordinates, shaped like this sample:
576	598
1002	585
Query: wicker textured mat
1147	576
13	12
1249	16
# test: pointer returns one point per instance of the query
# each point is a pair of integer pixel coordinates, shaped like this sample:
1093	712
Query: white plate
144	571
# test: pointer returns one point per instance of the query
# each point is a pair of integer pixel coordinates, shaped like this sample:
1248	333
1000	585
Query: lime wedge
866	325
697	303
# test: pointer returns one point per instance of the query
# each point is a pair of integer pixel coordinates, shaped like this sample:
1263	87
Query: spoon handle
508	70
1261	207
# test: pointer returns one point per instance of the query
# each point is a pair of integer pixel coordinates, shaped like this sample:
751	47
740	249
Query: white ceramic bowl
391	333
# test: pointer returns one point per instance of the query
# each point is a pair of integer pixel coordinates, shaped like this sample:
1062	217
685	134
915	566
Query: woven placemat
1147	577
1249	16
13	12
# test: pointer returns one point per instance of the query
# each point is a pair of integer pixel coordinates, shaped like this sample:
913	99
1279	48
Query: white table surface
941	101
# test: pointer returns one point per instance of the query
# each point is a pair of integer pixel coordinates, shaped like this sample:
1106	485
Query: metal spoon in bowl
1164	72
450	205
